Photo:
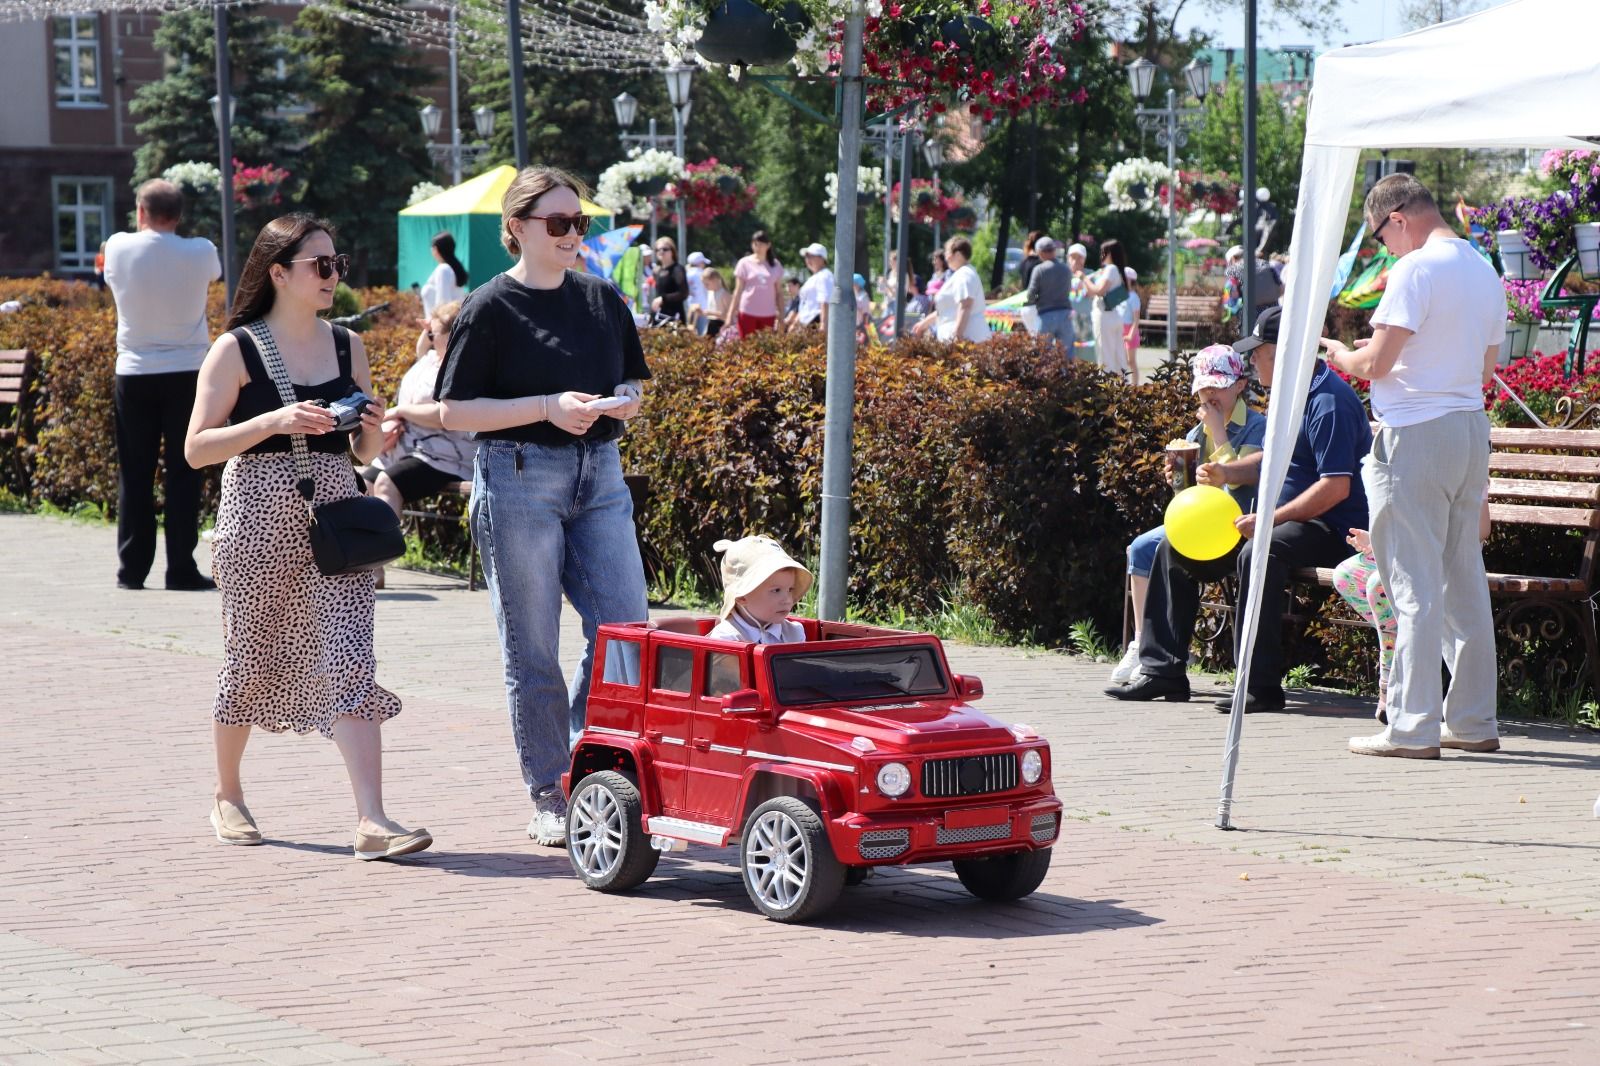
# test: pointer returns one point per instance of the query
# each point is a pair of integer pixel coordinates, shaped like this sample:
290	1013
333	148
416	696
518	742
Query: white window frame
81	259
84	52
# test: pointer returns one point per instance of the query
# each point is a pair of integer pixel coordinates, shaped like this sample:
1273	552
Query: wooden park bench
17	367
1197	316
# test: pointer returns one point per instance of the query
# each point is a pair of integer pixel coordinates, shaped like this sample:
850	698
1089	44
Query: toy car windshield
869	673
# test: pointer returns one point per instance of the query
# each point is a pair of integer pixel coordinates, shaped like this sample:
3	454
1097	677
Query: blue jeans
1058	324
1142	551
553	520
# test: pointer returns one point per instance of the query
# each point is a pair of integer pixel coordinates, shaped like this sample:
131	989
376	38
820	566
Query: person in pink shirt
757	278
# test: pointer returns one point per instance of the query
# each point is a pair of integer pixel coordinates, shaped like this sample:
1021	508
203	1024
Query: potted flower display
631	184
1522	319
869	187
709	191
1133	184
927	204
990	56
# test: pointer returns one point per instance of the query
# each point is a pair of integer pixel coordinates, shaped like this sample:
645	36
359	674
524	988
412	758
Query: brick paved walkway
1370	910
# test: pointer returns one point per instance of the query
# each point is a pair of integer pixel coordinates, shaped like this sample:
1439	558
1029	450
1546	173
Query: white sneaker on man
549	824
1128	669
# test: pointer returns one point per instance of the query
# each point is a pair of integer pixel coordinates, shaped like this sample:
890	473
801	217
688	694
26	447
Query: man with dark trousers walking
159	281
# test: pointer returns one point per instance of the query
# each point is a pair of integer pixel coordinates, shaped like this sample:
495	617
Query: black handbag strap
305	483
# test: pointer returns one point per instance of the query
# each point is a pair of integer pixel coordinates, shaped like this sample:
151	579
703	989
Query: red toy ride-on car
857	748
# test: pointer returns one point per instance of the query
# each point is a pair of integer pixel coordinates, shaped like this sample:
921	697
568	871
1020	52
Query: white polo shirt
817	291
1455	305
159	283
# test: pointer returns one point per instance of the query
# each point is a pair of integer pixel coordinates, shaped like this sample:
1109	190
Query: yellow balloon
1199	522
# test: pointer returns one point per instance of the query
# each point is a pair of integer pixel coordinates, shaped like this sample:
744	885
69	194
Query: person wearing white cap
817	290
697	262
760	586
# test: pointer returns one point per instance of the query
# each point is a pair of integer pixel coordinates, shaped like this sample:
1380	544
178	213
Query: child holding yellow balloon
1228	430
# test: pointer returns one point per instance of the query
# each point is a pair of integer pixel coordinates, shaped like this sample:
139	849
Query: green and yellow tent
471	213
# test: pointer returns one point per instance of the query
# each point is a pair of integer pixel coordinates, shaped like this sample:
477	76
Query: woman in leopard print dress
298	643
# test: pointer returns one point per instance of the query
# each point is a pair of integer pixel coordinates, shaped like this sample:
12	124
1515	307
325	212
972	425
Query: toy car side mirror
743	703
969	687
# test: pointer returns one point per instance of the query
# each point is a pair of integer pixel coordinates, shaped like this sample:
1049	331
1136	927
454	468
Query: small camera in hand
347	412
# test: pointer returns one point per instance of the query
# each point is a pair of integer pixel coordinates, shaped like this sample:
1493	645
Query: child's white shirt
739	627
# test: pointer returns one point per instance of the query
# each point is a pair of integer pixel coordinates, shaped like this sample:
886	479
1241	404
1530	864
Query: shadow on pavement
1476	841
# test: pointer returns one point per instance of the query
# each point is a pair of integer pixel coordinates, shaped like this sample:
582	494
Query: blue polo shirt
1334	437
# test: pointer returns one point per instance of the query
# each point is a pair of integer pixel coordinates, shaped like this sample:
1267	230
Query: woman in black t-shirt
544	366
672	282
298	643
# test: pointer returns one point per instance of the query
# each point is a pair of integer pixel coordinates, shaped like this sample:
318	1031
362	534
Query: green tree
364	149
1280	143
174	112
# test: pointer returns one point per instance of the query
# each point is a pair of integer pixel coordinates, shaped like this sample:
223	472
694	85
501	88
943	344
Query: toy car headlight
1032	766
894	779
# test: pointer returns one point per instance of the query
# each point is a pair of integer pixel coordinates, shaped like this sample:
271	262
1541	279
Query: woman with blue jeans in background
1228	430
544	367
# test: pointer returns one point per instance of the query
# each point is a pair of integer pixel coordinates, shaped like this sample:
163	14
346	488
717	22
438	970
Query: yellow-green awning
481	196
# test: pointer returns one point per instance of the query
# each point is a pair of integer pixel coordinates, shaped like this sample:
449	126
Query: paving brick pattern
1370	910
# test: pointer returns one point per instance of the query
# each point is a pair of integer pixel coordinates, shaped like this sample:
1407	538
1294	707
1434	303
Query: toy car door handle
702	745
652	735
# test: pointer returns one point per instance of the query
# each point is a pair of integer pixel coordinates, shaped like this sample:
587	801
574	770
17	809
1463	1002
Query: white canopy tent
1524	74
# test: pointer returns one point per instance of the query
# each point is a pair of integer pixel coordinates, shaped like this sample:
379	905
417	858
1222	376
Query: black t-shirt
511	341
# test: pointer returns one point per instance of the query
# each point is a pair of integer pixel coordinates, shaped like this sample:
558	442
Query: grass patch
1086	640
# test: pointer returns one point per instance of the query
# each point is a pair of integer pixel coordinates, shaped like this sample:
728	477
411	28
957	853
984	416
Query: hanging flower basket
1519	341
1586	235
630	185
650	186
1516	259
709	191
869	187
739	33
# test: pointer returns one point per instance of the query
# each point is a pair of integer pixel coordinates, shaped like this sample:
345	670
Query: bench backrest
1566	492
16	364
1189	307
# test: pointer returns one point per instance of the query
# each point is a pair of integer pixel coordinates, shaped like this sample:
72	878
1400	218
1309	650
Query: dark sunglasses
1378	233
558	225
327	265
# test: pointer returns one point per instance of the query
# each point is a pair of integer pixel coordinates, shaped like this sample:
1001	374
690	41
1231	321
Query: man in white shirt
697	263
159	281
817	290
1436	339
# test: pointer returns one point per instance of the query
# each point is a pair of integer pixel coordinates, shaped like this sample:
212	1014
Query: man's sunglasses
558	225
327	265
1377	234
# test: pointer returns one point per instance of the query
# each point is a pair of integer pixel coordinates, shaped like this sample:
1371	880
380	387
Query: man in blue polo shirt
1321	500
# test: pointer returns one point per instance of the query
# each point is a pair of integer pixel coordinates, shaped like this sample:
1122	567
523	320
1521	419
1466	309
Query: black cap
1266	331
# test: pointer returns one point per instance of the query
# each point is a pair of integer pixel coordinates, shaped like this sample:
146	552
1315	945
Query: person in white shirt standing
448	282
817	290
698	262
1436	339
159	281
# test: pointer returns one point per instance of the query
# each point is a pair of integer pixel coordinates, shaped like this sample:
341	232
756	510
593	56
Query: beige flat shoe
234	825
1448	739
1380	745
390	845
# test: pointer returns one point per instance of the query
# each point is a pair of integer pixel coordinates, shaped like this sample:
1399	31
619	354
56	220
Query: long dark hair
445	245
761	235
1112	250
277	242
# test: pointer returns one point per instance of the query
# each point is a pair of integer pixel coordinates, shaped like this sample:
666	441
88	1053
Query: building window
83	221
77	50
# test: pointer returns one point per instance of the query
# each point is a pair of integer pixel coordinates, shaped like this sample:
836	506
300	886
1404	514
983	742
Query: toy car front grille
1044	828
884	843
973	834
971	775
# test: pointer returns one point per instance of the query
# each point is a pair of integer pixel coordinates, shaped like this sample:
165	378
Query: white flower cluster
869	180
195	177
1136	171
423	190
615	192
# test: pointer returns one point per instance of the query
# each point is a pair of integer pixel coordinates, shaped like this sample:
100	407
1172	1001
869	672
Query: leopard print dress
297	643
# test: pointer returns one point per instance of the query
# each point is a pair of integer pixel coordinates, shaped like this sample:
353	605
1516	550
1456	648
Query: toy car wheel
789	867
605	836
1004	877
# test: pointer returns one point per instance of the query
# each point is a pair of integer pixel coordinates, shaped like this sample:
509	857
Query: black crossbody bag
349	535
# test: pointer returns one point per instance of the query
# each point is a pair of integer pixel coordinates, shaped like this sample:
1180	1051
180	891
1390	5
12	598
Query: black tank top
260	395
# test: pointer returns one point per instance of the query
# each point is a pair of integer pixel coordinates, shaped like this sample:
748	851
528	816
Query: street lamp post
626	107
678	79
933	152
457	153
1169	126
222	114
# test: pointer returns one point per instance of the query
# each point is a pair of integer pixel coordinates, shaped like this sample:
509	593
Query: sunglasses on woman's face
559	225
327	265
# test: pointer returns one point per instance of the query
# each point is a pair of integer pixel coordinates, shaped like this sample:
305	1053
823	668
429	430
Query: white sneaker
549	823
1380	744
1128	668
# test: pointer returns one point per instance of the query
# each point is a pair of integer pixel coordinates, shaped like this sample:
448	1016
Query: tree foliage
174	112
364	148
1280	143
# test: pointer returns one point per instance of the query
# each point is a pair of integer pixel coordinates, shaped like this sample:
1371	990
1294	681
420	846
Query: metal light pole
1168	124
626	108
222	112
678	80
838	421
903	246
933	152
1247	315
888	188
455	106
519	100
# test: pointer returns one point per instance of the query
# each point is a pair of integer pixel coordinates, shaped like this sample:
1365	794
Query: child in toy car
760	586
